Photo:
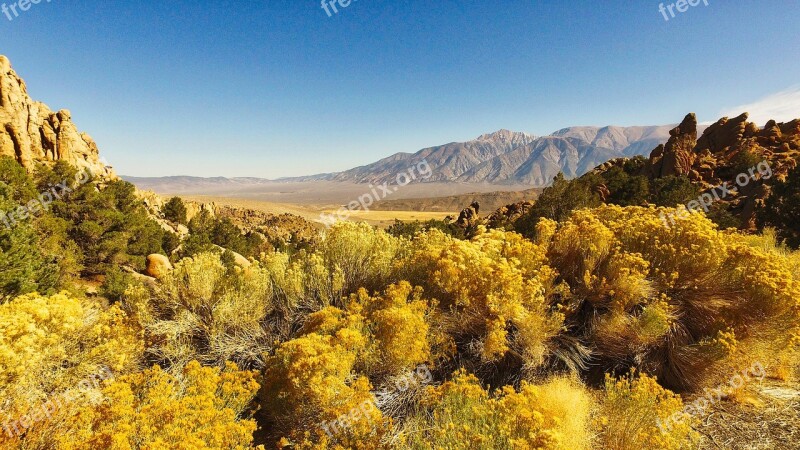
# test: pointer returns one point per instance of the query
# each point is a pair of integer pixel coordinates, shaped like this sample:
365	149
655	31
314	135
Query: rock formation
31	133
717	157
677	156
469	216
508	214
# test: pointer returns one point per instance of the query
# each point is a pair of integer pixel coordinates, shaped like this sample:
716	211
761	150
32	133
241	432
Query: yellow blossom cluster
312	380
50	344
465	416
488	286
637	413
202	408
652	288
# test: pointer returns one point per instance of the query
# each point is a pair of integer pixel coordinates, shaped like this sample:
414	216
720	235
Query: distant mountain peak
507	136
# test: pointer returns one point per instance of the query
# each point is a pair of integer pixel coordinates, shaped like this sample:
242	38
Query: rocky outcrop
278	229
469	216
677	156
508	214
31	133
727	149
725	133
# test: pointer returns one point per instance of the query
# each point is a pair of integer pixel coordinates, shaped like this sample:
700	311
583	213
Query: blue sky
277	88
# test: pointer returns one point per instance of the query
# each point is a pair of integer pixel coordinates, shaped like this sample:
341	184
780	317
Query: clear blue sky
277	88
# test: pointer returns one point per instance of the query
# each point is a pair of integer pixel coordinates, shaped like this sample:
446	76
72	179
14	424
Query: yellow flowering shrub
309	385
637	413
54	352
361	254
398	326
463	415
205	312
639	289
312	381
48	344
202	408
495	283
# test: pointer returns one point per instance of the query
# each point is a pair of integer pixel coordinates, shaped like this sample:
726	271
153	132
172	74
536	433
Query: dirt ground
770	420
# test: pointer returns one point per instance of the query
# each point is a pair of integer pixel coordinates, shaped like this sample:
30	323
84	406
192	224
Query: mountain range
503	158
513	158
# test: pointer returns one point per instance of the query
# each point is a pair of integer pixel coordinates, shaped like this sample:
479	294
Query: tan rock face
31	133
469	216
723	134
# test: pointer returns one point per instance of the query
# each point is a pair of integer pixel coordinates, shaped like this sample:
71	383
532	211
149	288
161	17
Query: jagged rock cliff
31	133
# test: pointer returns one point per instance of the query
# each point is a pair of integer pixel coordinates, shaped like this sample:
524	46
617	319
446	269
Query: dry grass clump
205	312
362	254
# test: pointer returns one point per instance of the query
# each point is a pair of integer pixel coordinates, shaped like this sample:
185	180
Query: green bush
175	211
206	231
558	201
672	191
782	209
115	284
24	268
110	225
410	229
21	187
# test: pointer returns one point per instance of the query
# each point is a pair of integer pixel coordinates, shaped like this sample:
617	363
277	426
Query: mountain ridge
507	157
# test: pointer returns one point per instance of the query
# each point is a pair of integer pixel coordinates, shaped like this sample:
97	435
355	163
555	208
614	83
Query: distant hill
489	201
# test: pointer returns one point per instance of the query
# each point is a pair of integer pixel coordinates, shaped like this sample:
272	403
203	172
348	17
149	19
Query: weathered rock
722	134
715	158
238	259
508	214
469	216
241	261
31	133
195	208
157	265
277	229
677	156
